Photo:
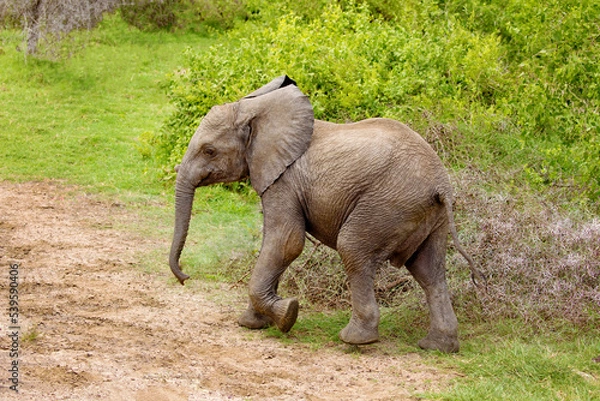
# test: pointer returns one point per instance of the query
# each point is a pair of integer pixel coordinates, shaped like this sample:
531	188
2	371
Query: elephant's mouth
212	177
207	180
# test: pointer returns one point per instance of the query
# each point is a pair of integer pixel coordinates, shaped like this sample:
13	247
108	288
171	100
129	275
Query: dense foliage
513	89
190	15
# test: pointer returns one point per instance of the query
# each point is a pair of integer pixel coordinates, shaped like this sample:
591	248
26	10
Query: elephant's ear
275	84
281	125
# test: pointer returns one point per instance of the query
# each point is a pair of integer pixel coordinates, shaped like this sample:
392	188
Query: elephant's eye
209	151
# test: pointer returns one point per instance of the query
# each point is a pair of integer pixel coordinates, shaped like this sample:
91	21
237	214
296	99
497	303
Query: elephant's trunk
184	198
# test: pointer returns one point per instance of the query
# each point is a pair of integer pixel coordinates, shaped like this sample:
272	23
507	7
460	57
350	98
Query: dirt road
93	325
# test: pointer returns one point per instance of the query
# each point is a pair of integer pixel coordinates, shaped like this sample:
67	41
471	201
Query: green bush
551	51
374	69
524	101
150	15
192	15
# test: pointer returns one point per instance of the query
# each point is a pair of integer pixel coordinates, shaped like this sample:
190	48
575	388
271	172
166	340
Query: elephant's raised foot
254	320
440	342
286	313
353	334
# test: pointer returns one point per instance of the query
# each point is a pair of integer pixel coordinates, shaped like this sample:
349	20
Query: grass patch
543	367
78	119
31	335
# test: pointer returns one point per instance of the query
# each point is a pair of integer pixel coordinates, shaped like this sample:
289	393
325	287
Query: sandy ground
94	325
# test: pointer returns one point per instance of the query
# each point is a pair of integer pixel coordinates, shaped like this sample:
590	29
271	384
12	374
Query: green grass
78	119
543	367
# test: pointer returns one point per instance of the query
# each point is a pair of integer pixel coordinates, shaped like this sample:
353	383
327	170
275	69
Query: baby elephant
372	190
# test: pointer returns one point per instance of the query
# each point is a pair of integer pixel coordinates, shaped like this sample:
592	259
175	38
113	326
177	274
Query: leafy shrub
551	52
526	102
150	14
194	15
220	14
374	69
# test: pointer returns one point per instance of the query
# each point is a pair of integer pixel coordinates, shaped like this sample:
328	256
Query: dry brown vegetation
542	262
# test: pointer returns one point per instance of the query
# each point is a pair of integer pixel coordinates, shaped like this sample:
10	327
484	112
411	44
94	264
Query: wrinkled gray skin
372	190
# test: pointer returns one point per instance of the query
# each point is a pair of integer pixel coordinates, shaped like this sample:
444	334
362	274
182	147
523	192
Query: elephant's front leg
252	319
282	243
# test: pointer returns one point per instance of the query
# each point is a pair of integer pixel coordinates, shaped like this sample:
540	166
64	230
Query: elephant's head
258	136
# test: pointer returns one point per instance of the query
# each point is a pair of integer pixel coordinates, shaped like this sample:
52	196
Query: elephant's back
378	166
372	150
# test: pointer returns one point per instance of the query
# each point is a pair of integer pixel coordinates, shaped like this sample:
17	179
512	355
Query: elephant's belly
386	229
328	239
326	218
325	234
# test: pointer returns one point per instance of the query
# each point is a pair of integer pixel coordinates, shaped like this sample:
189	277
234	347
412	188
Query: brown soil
94	325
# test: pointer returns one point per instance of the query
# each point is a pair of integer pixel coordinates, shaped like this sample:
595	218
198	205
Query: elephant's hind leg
428	267
363	327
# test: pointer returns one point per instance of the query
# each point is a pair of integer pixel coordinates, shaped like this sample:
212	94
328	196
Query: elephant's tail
478	278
